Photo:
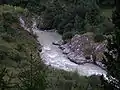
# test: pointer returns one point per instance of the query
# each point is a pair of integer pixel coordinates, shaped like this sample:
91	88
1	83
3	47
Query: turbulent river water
53	56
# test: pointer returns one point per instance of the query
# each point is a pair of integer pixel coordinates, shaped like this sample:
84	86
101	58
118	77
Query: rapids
53	56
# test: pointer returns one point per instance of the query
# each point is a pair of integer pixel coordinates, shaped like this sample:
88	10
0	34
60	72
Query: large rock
66	51
61	42
82	49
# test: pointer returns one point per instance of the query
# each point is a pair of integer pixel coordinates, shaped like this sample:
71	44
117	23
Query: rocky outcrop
82	49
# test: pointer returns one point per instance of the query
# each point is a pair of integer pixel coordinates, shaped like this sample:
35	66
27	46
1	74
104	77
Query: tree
6	84
33	77
4	1
112	59
116	14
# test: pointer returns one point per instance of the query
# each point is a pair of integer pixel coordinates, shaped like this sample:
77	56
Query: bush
106	3
99	38
105	28
33	78
3	55
8	38
11	9
64	16
67	35
61	80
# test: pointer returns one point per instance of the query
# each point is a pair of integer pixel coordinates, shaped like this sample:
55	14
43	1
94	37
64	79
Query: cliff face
82	49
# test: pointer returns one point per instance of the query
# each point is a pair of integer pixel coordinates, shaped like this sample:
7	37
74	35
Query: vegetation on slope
16	48
112	60
69	17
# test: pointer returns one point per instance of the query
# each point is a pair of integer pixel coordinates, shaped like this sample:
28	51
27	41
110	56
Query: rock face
82	49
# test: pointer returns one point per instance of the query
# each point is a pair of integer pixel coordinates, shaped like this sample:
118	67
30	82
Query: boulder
82	49
39	49
62	47
66	51
58	42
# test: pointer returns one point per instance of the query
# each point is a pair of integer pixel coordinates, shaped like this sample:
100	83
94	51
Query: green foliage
65	16
112	60
99	38
106	3
33	77
61	80
116	18
32	5
106	27
3	83
11	9
7	38
79	24
67	35
15	43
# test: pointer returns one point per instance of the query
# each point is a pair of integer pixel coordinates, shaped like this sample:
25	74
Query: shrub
19	9
8	38
33	78
67	35
61	80
11	9
99	38
3	55
4	84
105	27
106	3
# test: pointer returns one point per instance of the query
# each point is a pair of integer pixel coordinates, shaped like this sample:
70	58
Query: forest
21	65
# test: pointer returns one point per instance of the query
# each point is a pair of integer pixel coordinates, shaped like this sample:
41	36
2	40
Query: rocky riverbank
82	49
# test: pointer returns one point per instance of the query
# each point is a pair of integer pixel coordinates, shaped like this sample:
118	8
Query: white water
53	56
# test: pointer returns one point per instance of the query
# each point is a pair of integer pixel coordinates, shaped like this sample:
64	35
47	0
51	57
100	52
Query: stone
100	64
58	42
66	51
87	57
81	47
39	49
62	47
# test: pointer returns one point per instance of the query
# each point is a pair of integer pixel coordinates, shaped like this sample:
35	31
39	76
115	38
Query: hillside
30	59
19	55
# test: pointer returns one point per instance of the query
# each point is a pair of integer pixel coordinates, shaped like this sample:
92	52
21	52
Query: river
53	56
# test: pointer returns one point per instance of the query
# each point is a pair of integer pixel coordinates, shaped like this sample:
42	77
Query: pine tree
116	14
33	78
